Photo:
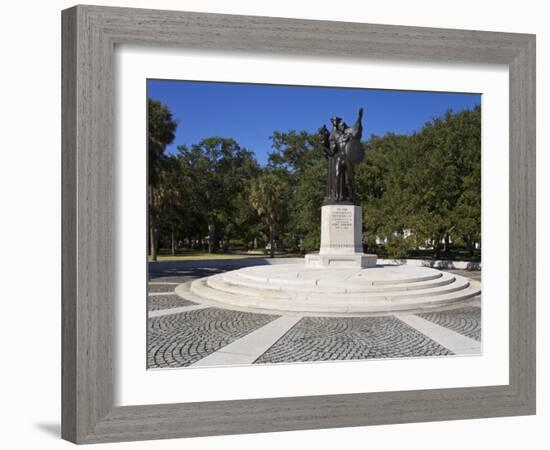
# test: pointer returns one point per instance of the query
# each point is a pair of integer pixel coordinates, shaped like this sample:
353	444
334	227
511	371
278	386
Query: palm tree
268	196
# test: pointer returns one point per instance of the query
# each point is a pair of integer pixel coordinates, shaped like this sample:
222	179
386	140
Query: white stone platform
354	260
295	289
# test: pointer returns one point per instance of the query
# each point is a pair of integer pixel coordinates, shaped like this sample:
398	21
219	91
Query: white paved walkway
179	309
451	340
250	347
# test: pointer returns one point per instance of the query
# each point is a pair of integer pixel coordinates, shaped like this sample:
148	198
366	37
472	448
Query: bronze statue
342	148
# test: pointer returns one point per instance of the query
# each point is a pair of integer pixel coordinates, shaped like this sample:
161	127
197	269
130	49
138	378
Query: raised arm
358	127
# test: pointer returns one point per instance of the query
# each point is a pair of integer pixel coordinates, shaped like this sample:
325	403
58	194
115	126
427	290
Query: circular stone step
297	274
292	288
451	284
329	285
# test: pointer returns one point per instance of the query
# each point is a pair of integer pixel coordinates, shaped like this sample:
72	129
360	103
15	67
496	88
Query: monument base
342	261
341	239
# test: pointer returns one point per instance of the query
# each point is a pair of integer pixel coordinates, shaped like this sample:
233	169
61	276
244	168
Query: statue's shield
355	152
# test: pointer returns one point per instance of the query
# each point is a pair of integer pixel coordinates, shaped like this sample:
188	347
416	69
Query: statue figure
342	148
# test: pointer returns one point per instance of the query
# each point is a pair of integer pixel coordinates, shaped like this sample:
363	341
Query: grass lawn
197	255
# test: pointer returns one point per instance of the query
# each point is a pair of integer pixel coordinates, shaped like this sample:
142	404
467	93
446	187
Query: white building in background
407	233
383	241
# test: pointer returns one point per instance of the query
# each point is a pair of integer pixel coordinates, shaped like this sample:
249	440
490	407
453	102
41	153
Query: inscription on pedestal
341	219
341	229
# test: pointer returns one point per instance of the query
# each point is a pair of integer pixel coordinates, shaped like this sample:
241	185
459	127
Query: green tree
161	127
294	151
297	159
218	172
423	189
171	200
467	212
381	180
449	176
269	196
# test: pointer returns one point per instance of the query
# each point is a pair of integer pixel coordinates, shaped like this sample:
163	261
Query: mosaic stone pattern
347	338
466	321
178	340
159	302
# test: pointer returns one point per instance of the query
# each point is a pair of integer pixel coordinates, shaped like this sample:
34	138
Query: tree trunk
173	239
152	227
153	239
272	241
447	243
211	238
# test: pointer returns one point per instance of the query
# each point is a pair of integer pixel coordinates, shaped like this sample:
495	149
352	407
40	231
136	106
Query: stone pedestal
341	239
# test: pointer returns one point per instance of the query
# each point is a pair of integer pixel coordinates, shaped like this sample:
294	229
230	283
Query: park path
249	348
451	340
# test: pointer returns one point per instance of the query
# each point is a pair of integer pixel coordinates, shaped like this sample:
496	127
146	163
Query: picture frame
89	37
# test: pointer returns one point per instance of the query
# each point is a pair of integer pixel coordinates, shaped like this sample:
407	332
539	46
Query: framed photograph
279	224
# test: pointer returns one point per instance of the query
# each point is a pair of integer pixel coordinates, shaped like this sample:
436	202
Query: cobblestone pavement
327	339
466	321
158	302
178	340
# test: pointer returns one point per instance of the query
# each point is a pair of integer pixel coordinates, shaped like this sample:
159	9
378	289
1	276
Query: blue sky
250	113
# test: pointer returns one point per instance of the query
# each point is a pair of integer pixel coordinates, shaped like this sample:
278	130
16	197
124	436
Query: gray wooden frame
89	37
